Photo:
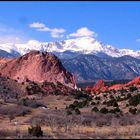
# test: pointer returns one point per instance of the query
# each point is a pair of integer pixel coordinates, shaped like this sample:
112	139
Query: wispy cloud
55	32
14	39
138	40
83	32
11	35
37	25
6	29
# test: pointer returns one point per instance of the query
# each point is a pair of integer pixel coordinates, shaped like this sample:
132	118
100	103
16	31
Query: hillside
36	66
90	67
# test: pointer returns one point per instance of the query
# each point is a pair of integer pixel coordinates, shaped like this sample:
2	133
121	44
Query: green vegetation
133	110
95	109
57	92
93	103
33	88
134	100
132	88
115	110
30	103
112	102
123	90
104	110
79	94
77	111
35	131
69	112
97	98
77	104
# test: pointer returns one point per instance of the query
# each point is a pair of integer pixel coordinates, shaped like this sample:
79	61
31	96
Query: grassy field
55	123
61	112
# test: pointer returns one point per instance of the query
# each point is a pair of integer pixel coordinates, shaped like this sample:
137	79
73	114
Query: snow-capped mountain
70	48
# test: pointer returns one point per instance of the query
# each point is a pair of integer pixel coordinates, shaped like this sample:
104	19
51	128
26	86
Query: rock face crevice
36	66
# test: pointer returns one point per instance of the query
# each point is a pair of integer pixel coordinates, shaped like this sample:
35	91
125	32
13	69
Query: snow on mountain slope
130	52
84	45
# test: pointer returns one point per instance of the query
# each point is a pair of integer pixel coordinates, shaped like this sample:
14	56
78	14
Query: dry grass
56	124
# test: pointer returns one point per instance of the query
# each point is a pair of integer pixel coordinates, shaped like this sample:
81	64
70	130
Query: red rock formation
135	81
36	66
116	87
88	88
100	86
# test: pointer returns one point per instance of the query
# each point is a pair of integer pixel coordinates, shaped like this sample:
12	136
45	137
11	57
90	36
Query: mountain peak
82	45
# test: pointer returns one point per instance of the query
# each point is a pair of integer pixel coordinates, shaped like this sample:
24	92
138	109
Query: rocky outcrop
135	81
101	87
116	87
36	66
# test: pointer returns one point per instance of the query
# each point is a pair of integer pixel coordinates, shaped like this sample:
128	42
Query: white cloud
83	32
138	40
56	35
44	29
37	25
11	39
9	34
55	32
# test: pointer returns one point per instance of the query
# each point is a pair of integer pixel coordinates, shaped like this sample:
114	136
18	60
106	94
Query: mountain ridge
82	45
90	67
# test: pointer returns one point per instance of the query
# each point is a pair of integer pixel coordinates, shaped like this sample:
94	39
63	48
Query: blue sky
114	23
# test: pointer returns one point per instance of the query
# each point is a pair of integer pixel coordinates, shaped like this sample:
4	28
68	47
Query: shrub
122	95
72	106
118	98
93	103
75	103
112	102
22	83
132	110
77	111
115	104
57	92
95	109
97	98
104	110
129	95
111	97
87	122
11	117
97	102
124	121
33	88
29	102
123	90
80	94
69	112
82	104
134	100
35	131
102	122
105	95
132	88
115	110
14	110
